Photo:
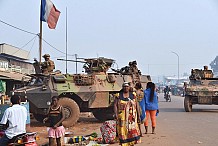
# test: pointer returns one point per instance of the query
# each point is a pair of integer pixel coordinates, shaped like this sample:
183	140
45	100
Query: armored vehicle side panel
93	91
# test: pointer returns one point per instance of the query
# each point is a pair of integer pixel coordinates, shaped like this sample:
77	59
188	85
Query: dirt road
87	125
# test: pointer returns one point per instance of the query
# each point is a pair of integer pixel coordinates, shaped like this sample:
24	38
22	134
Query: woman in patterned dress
126	110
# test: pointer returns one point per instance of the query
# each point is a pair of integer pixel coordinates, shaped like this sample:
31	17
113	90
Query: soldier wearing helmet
48	65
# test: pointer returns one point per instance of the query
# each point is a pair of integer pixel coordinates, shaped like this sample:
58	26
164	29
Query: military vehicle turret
93	91
202	89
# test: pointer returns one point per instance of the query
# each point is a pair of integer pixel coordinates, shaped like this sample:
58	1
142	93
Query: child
56	117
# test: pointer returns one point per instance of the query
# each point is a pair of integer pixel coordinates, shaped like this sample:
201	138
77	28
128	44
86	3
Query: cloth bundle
108	131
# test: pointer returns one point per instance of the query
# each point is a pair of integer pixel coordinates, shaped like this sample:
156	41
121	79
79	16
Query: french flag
49	13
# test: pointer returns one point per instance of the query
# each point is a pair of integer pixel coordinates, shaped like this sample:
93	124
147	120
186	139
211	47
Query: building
14	67
214	66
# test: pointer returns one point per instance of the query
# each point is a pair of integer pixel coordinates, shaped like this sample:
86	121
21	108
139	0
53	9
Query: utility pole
178	64
40	35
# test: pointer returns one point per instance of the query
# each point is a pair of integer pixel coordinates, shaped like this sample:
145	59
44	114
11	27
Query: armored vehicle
202	89
93	91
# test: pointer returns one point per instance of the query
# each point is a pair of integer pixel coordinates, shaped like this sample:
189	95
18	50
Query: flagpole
66	40
40	36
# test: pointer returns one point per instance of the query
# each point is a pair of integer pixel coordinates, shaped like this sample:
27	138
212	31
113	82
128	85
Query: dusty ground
86	125
175	127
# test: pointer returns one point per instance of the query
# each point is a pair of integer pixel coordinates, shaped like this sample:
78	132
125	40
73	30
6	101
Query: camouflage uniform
207	73
135	71
48	65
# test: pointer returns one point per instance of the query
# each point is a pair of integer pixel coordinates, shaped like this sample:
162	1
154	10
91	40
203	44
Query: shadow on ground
172	110
84	118
205	110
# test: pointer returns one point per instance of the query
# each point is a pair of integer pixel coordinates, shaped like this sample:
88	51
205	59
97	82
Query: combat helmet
46	55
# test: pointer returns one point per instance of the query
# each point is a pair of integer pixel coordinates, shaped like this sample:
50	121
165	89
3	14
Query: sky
147	31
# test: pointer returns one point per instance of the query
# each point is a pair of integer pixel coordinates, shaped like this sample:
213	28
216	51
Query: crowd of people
133	108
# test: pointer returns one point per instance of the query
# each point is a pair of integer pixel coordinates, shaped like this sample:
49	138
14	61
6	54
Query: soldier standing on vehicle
207	73
48	65
134	67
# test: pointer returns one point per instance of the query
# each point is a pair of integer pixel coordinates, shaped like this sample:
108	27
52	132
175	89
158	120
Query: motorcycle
25	139
167	96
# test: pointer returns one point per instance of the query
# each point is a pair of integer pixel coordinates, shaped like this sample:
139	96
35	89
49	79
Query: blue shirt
148	104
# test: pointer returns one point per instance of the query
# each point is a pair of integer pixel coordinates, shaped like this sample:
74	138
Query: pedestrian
151	106
126	110
16	117
56	117
142	105
140	95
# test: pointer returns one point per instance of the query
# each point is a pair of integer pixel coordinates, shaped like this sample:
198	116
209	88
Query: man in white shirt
15	117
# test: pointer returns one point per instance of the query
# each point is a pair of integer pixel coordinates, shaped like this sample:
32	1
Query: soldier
207	73
205	67
48	65
135	71
195	74
134	67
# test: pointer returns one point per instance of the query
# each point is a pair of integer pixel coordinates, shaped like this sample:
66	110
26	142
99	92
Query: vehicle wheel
187	104
39	117
71	109
170	98
103	114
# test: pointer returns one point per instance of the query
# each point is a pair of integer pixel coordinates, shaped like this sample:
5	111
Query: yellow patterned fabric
127	126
